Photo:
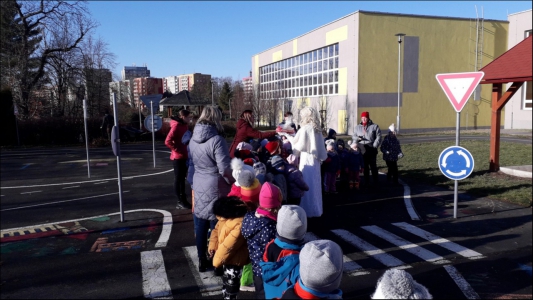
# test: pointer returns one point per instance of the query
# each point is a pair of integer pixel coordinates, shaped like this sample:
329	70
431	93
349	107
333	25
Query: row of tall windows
314	73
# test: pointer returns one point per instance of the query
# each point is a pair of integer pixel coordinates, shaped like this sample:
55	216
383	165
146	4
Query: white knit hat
237	165
392	128
398	284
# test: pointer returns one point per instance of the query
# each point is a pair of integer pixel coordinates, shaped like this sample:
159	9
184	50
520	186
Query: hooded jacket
211	166
173	140
371	136
390	144
296	185
280	274
226	239
245	132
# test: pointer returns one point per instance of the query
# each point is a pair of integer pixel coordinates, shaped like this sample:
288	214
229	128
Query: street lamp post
399	35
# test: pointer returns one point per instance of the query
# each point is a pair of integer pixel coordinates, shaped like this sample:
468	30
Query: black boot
202	265
219	271
183	204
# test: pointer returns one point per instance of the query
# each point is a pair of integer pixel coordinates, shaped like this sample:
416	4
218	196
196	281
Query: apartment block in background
171	84
123	91
248	85
128	73
187	81
146	86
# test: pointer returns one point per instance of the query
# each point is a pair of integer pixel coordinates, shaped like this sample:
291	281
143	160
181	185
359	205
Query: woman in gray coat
212	175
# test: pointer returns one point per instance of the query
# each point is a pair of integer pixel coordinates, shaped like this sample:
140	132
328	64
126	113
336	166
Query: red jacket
245	132
173	140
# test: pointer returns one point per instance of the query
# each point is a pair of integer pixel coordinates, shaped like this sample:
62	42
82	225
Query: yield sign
458	87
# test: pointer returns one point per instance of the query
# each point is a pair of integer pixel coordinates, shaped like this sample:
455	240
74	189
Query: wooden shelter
512	66
184	100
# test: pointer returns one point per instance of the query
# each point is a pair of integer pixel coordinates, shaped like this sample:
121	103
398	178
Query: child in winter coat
250	189
321	269
227	246
296	186
392	151
260	171
281	261
355	164
331	167
259	228
237	166
343	156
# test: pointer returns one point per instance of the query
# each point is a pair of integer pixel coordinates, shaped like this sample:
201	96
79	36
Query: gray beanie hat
321	265
398	284
246	178
292	222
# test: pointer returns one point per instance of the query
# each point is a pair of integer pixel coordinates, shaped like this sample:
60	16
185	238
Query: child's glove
400	155
211	253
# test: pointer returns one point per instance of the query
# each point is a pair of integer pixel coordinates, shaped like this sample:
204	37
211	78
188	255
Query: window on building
527	96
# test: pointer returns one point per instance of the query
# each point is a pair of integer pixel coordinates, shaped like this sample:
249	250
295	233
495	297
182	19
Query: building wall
516	115
368	68
431	46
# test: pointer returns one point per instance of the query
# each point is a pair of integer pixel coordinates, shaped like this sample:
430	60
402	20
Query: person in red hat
368	134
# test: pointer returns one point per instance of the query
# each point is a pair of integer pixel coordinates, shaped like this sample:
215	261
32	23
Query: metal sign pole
117	145
86	137
153	133
456	185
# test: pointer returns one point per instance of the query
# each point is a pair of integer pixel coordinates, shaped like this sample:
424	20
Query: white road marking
351	268
100	182
49	203
406	245
30	192
88	181
71	187
370	250
209	284
155	280
161	242
461	282
408	203
463	251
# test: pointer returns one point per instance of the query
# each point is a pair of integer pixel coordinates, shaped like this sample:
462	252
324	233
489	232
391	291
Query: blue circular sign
456	163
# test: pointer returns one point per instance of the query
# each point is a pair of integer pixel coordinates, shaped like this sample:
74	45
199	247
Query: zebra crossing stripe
370	250
406	245
463	251
351	268
209	284
461	282
155	280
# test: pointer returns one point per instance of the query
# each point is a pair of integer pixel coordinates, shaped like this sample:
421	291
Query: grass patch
420	165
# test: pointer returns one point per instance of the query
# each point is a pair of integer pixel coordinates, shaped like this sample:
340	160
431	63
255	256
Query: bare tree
37	25
323	107
238	102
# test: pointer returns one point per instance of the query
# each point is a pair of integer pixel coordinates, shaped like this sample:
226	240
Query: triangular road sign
458	87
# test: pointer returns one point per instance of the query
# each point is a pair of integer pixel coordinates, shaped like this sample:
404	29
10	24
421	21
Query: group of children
343	163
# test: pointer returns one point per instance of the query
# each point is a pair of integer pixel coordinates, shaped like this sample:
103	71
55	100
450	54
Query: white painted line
406	245
88	181
463	285
71	187
30	192
100	182
50	203
155	280
209	284
370	250
351	268
161	242
463	251
408	203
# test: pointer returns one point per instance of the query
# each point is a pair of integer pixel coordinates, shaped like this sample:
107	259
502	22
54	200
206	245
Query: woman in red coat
179	155
245	131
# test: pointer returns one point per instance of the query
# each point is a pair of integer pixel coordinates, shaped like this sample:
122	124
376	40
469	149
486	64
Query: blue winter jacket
280	275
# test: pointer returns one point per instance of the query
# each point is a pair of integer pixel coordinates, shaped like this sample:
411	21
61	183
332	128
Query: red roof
512	66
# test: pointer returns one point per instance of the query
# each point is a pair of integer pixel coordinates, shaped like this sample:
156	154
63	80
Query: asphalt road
95	255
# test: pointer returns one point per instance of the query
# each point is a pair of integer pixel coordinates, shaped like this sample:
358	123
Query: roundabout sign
456	163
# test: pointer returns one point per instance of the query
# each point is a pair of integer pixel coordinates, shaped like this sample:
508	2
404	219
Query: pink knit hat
269	201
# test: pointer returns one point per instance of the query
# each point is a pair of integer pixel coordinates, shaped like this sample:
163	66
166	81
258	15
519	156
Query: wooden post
498	102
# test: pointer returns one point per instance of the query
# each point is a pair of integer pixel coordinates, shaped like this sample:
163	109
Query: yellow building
351	65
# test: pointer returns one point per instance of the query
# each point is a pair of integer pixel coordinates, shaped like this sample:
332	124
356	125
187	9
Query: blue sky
220	37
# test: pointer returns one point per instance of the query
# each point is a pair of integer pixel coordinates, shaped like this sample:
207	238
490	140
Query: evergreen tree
225	95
